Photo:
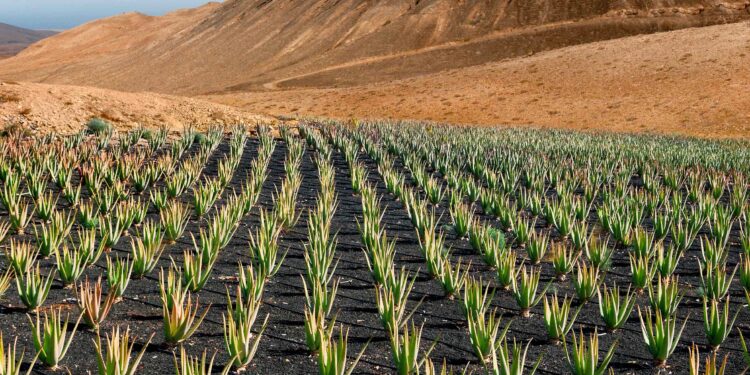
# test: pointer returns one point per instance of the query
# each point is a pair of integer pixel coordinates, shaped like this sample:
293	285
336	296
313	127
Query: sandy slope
42	108
260	44
693	81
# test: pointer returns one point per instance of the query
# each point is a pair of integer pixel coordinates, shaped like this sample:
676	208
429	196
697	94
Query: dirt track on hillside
693	82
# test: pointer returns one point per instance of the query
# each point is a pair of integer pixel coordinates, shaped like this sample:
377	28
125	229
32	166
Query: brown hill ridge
43	108
694	82
241	45
13	39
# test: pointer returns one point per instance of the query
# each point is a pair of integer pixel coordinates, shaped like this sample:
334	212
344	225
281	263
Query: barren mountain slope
267	44
44	108
693	81
13	39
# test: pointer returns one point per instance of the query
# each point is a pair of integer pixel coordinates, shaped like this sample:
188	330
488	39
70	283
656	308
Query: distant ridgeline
260	45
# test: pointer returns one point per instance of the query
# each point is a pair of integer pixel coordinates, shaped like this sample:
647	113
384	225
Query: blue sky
64	14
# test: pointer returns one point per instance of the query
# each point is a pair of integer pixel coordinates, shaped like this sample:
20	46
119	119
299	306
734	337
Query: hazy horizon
57	15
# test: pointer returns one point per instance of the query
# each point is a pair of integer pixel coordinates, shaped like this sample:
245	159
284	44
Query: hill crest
256	45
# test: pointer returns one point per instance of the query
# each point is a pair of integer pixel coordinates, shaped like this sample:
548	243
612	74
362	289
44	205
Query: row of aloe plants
50	337
587	281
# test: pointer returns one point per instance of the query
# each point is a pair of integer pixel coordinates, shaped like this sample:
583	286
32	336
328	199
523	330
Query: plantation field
374	248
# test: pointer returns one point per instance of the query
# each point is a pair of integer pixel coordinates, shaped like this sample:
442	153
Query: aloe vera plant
332	357
22	256
666	296
10	362
380	259
716	281
598	252
476	296
614	310
264	247
93	307
432	246
196	270
660	334
485	333
557	318
563	260
174	219
525	290
493	246
118	276
145	257
586	281
462	217
537	247
716	323
513	361
391	300
189	365
251	282
240	341
88	216
405	349
642	271
453	278
117	359
505	267
19	217
50	339
45	206
713	367
33	289
285	199
179	313
584	358
70	265
51	237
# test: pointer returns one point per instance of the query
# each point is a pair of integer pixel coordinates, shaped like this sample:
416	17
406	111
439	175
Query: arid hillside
42	108
693	82
242	45
14	39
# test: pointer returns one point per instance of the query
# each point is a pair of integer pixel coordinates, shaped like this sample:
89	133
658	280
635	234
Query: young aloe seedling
33	289
179	312
264	246
405	348
712	366
584	359
512	362
612	309
557	318
642	272
660	335
453	278
332	358
717	324
51	340
537	247
666	296
9	365
586	282
93	307
118	276
525	290
117	359
563	260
